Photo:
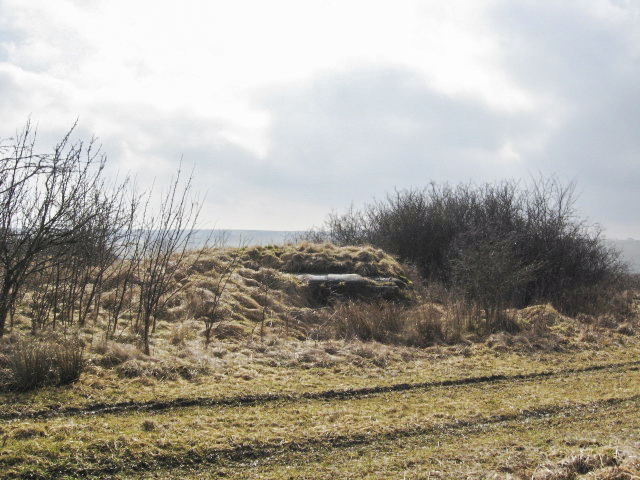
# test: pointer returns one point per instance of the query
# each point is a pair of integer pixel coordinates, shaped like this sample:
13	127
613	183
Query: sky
287	110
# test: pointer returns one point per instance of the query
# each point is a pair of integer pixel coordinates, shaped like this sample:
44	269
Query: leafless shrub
161	250
205	302
499	245
48	203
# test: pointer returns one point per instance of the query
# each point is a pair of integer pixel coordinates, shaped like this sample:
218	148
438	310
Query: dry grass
385	322
618	464
564	422
111	353
28	363
263	289
303	258
264	298
324	258
526	425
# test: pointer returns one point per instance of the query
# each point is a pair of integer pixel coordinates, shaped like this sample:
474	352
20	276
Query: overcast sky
289	109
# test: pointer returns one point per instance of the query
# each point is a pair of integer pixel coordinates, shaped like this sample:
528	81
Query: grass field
300	398
344	410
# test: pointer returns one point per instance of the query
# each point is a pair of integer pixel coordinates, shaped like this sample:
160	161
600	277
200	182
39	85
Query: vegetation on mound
231	292
501	245
256	286
308	257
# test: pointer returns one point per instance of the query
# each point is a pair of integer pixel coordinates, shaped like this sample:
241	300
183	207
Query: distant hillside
630	249
249	238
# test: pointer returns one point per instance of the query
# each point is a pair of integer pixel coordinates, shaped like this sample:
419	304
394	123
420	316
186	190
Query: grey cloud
343	137
354	134
363	132
159	140
592	67
558	47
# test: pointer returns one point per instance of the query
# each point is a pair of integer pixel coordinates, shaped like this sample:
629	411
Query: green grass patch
133	443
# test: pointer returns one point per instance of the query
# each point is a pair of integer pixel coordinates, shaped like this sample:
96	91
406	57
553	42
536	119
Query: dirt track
538	395
121	407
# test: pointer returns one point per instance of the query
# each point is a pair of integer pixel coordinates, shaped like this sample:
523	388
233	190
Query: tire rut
263	450
244	400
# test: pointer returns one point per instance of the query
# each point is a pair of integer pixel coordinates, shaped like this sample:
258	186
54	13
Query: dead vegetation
622	463
234	356
225	297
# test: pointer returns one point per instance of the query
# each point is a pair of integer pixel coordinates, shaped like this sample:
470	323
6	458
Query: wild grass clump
390	323
379	321
324	257
426	325
31	363
68	361
181	332
113	353
600	465
164	369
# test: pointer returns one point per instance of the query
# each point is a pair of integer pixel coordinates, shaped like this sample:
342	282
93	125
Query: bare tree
163	245
44	206
205	302
120	276
104	244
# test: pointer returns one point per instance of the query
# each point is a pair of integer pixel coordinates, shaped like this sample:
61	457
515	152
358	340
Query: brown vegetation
105	311
231	295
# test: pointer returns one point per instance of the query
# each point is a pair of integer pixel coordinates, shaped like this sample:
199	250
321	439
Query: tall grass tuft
379	321
68	361
387	322
30	363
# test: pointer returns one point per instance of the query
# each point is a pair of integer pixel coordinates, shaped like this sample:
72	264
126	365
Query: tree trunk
207	334
5	307
147	325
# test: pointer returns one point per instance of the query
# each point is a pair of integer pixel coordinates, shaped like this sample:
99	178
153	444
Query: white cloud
321	102
209	57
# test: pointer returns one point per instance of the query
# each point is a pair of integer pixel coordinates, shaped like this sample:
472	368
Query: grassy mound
263	291
311	258
227	297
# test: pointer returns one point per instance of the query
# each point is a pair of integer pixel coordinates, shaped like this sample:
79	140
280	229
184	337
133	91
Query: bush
68	361
380	321
390	323
30	363
498	245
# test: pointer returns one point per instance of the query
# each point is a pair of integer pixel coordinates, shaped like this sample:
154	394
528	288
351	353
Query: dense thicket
498	244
